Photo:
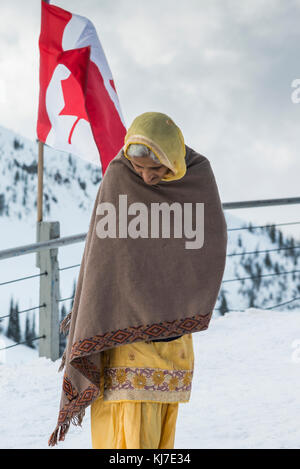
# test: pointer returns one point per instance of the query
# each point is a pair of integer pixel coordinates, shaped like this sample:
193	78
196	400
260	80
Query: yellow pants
141	386
133	425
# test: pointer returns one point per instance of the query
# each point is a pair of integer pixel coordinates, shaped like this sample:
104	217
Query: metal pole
47	261
40	181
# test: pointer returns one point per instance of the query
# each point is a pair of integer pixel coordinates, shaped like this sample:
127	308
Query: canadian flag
79	110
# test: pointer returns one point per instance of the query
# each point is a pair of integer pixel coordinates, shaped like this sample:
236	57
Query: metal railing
46	249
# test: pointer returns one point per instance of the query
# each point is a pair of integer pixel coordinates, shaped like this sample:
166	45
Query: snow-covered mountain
70	187
67	180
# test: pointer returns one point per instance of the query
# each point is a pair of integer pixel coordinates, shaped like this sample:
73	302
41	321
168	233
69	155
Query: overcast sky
222	69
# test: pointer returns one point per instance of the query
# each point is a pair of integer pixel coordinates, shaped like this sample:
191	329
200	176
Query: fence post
49	290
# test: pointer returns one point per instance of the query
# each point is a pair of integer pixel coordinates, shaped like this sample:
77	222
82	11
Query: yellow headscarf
161	135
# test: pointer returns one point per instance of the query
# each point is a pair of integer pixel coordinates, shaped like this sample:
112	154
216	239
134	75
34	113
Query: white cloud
222	69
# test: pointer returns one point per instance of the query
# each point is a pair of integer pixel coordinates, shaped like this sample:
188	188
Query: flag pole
40	181
40	174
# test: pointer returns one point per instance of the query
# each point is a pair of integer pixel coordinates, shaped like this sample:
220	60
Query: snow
246	382
245	391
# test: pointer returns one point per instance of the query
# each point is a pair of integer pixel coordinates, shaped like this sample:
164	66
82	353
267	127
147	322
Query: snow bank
245	392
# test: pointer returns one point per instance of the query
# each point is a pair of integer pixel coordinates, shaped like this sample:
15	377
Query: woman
132	418
142	290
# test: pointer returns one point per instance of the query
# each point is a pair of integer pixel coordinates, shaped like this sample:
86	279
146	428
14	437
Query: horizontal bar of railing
55	243
24	342
261	203
237	279
261	307
35	247
254	227
23	311
23	278
261	251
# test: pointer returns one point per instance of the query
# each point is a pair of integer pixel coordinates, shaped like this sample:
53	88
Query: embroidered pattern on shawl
135	334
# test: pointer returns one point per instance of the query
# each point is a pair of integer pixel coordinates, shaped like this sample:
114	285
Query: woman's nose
148	177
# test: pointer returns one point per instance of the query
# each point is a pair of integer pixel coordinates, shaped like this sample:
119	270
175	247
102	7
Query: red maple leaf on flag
74	102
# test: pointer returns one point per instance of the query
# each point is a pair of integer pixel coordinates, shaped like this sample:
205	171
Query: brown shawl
131	290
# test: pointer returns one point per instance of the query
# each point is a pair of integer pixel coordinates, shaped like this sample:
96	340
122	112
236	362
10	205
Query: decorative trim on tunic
147	384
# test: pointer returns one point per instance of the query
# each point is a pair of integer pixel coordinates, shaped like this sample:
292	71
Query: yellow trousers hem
133	425
148	400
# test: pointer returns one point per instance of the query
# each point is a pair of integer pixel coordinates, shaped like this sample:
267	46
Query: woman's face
149	170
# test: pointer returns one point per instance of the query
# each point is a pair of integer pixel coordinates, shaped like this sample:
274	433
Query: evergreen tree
267	260
293	252
273	233
73	293
63	314
62	337
13	330
251	299
257	280
9	331
33	332
276	268
224	306
27	330
30	331
240	241
18	328
17	144
17	176
295	261
280	239
2	204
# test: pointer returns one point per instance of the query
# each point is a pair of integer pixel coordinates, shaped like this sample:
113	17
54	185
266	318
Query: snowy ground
246	389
